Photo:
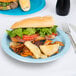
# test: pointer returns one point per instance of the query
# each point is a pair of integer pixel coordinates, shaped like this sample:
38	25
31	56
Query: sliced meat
39	38
25	38
31	38
17	39
13	5
38	43
50	37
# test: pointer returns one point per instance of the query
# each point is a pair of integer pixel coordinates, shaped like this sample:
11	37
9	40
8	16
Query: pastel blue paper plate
36	5
61	37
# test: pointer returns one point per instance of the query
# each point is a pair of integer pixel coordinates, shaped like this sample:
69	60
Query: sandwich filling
8	5
30	34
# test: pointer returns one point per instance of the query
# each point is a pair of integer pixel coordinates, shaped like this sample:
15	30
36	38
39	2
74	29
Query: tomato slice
55	34
29	38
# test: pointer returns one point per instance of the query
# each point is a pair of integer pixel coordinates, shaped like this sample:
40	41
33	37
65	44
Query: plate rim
49	59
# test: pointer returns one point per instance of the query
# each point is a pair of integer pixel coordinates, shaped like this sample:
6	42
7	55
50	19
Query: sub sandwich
37	28
8	4
32	37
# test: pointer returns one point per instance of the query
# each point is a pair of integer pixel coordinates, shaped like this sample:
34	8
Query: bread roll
8	0
35	22
25	5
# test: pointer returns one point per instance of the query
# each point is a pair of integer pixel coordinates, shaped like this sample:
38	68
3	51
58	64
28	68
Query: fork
66	29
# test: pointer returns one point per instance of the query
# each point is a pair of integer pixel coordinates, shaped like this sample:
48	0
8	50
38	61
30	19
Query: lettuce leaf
16	32
53	29
45	31
30	31
11	33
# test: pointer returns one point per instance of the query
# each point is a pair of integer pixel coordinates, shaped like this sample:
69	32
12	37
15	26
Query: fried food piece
47	42
49	50
58	42
33	48
16	47
20	49
43	56
26	52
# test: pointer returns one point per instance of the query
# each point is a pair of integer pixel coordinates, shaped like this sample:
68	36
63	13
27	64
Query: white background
65	66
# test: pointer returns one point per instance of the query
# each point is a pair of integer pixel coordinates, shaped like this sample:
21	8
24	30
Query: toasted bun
8	0
35	22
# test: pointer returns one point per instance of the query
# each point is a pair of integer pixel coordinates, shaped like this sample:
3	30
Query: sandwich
8	4
33	37
33	29
25	5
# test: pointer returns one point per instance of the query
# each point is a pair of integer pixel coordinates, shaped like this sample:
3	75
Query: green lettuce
19	32
16	32
53	29
45	31
30	31
11	33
